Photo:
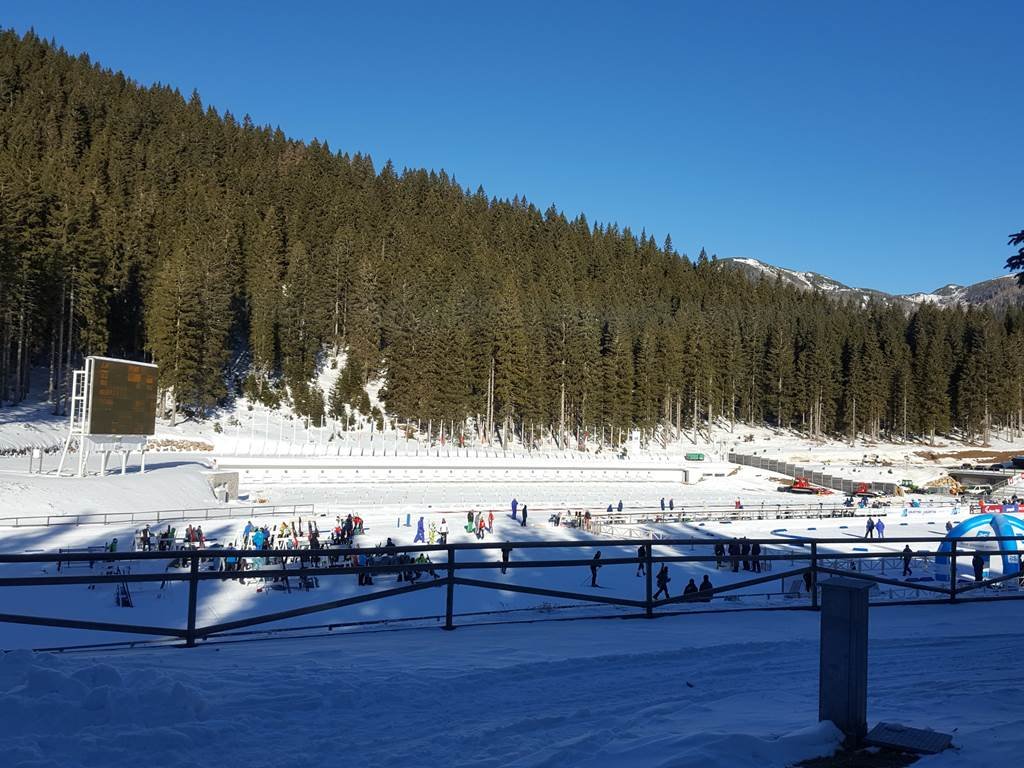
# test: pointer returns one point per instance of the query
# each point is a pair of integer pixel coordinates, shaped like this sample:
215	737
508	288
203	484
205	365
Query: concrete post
843	676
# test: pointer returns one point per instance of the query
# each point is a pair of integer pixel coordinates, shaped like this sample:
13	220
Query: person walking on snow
663	579
506	551
595	564
880	529
490	522
420	534
641	556
432	533
481	527
515	506
908	555
869	532
443	531
523	524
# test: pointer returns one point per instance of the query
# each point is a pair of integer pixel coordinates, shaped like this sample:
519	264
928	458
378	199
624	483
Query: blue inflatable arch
1001	524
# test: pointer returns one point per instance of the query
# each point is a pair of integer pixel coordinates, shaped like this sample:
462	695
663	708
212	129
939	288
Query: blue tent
1002	524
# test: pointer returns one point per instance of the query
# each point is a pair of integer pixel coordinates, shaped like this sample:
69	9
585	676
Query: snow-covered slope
998	292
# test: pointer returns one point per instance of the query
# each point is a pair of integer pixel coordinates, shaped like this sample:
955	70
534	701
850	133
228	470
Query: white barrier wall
327	471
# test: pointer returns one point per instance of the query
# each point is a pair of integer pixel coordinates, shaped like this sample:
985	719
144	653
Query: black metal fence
805	560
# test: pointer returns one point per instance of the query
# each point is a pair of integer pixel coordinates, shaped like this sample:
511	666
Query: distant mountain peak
998	292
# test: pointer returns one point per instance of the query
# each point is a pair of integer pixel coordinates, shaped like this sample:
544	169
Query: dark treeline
137	223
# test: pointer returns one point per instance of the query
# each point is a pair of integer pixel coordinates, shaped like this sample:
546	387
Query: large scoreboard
121	397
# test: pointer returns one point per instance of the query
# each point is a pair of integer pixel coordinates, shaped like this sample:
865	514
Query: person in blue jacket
515	506
420	535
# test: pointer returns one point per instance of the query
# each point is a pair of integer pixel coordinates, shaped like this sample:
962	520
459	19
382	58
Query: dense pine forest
138	223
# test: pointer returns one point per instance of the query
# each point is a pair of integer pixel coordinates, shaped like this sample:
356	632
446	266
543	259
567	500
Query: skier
641	555
706	589
663	579
506	550
755	557
979	566
443	531
523	523
869	532
880	528
515	506
690	590
908	554
594	565
420	536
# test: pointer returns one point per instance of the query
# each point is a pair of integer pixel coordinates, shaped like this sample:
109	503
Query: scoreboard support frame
79	424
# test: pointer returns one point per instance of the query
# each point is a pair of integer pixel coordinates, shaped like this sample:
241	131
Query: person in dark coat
869	529
641	557
979	566
745	554
705	590
620	505
719	554
506	550
595	564
808	581
609	510
523	523
515	506
663	579
755	557
734	555
690	590
671	504
662	503
908	555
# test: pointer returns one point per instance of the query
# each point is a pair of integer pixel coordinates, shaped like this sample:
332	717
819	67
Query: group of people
479	524
662	578
523	512
741	552
871	527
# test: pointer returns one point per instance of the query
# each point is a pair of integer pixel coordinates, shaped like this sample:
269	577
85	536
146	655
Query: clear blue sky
881	143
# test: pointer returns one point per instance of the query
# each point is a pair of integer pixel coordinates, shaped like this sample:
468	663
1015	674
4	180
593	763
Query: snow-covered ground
513	685
704	690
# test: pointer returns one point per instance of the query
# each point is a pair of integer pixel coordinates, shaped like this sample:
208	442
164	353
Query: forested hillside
135	222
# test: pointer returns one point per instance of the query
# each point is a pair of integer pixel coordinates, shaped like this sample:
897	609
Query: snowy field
687	691
515	684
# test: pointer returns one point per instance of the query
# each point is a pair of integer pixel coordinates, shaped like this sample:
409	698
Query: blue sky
877	142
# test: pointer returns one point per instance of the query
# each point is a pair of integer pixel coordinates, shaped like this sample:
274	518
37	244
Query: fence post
193	594
451	591
647	569
952	571
814	575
